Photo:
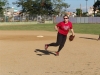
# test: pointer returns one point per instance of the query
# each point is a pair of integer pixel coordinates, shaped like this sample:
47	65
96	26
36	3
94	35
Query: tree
60	6
2	5
42	7
36	6
96	6
78	12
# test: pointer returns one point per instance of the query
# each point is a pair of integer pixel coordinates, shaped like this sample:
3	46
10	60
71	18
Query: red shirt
64	28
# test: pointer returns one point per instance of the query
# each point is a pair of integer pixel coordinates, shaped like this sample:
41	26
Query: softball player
63	29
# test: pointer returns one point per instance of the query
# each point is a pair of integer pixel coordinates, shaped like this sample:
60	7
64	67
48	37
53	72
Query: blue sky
76	4
73	4
11	5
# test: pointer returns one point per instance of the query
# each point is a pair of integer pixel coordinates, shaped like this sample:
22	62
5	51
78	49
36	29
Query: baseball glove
71	37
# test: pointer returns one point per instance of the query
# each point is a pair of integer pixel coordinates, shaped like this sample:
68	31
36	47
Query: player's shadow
43	52
89	38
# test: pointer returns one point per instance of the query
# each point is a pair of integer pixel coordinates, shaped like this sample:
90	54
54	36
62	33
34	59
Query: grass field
78	28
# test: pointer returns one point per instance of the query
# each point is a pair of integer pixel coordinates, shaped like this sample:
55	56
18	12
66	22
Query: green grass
47	27
78	28
87	28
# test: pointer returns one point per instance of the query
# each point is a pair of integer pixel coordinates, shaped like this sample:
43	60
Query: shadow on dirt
44	52
88	38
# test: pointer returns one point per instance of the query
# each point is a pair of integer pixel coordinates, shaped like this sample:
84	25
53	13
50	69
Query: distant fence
79	19
49	19
26	18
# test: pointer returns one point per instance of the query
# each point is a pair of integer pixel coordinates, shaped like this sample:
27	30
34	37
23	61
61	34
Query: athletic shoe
57	54
46	46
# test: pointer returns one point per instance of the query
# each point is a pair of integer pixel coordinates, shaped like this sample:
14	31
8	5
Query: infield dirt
22	53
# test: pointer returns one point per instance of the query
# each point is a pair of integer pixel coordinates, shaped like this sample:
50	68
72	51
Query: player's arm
72	31
56	27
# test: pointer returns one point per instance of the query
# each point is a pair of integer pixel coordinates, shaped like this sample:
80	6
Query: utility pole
80	10
94	1
86	6
6	8
94	9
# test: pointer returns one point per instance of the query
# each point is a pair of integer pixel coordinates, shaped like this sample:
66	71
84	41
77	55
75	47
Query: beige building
71	14
10	13
90	11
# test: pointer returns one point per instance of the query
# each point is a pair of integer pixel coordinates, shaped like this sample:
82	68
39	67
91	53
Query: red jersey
64	28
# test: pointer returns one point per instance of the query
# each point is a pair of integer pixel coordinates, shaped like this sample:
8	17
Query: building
91	12
10	13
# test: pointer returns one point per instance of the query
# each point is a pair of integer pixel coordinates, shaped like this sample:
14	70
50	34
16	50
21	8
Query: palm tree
96	6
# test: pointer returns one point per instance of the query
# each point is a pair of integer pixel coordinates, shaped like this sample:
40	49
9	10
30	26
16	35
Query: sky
11	5
74	4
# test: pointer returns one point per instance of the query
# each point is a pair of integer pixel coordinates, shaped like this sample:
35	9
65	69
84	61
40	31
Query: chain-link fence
27	18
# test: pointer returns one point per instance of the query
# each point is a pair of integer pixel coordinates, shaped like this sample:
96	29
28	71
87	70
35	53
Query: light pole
94	1
86	6
6	8
94	8
13	14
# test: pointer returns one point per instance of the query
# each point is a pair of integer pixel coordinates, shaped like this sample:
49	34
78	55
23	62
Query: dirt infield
22	53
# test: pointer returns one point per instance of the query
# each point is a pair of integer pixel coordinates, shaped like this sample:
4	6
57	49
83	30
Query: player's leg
57	43
61	44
